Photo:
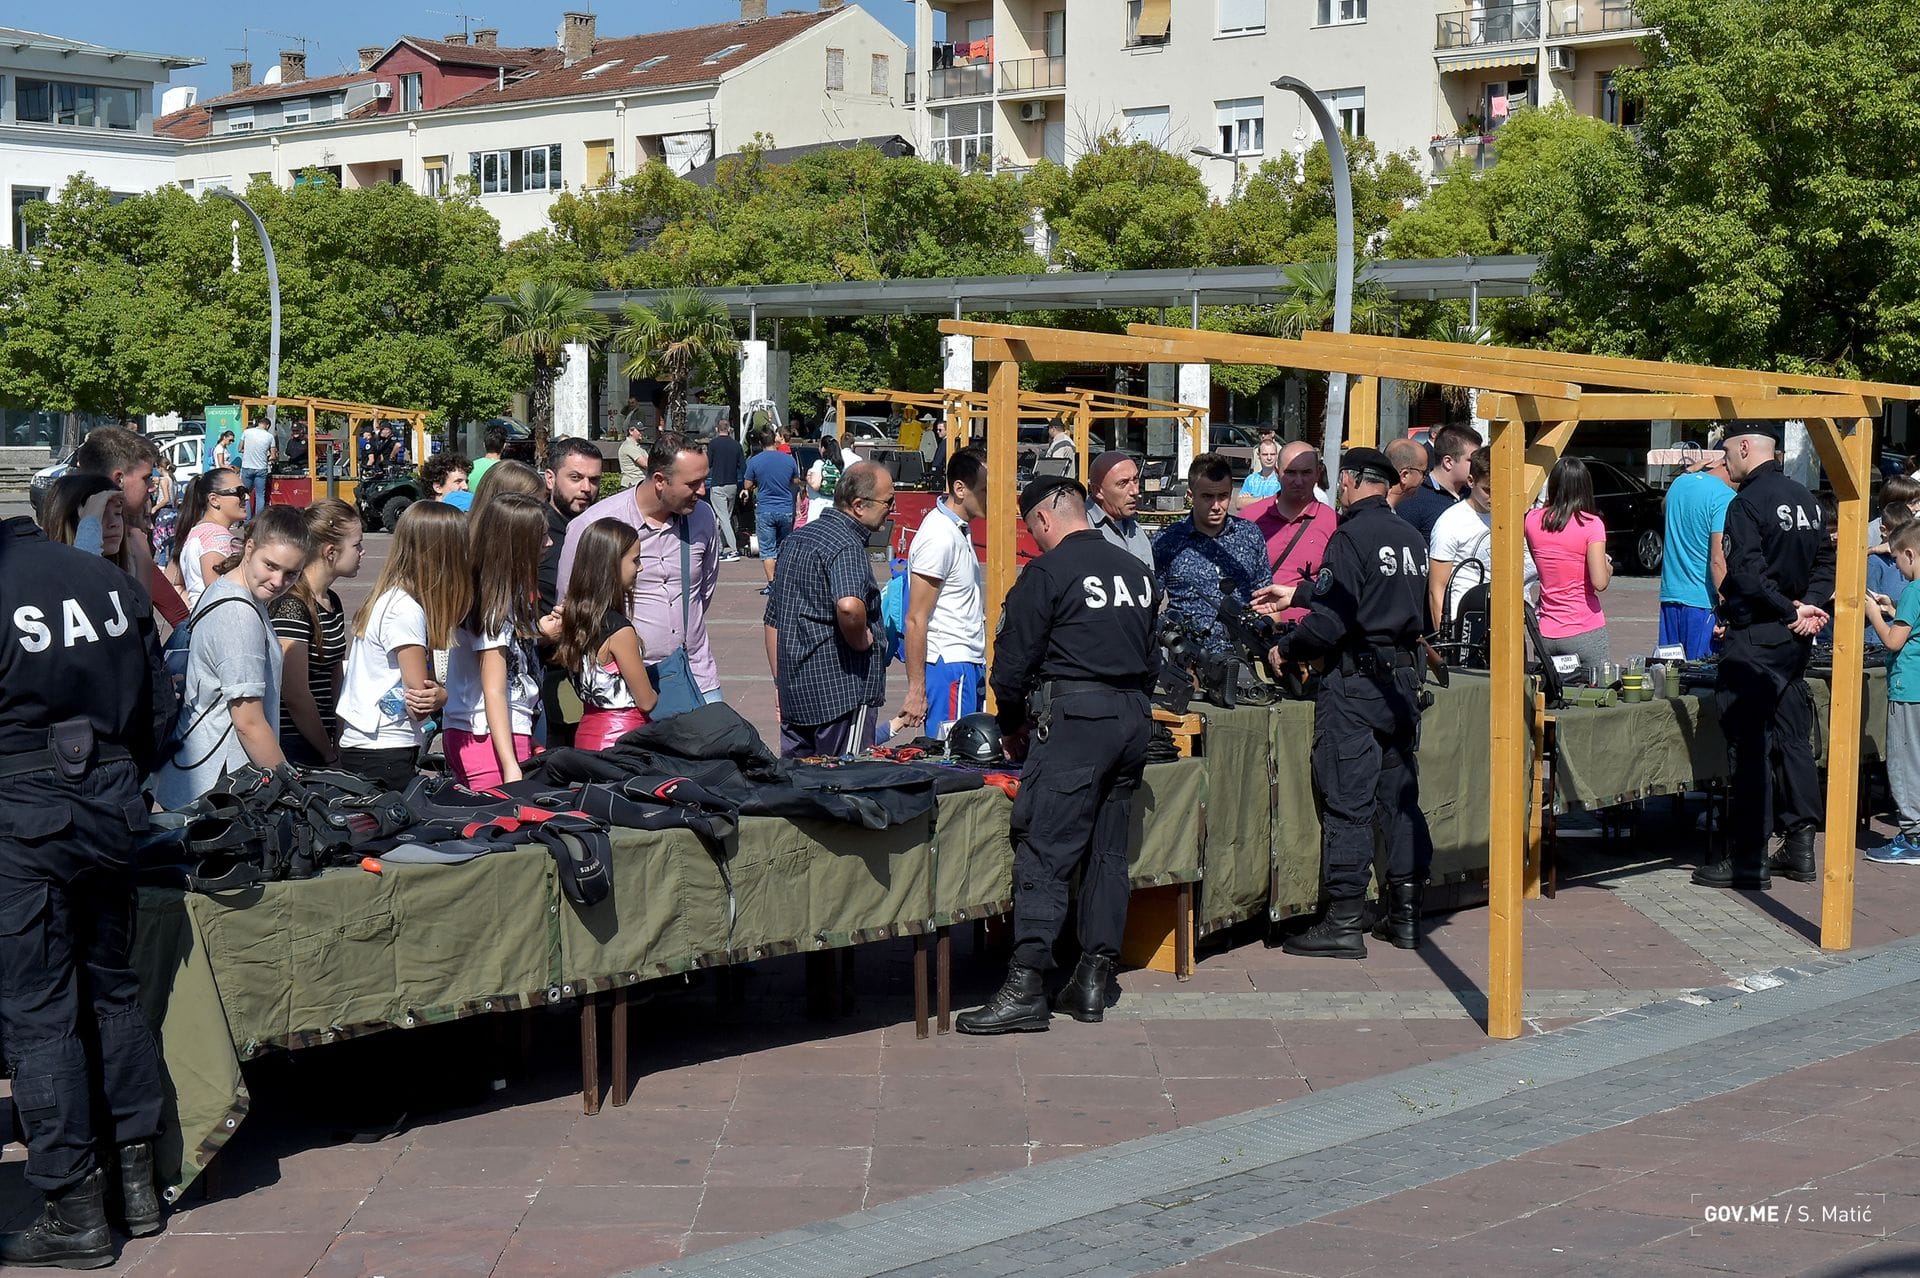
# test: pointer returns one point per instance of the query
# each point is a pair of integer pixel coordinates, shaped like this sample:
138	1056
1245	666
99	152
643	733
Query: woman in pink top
1569	546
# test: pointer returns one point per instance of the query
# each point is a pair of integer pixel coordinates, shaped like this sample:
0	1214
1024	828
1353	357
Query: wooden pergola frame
1548	393
355	414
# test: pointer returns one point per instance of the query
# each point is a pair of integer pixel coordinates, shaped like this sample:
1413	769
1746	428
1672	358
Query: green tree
1312	288
537	322
1123	206
678	341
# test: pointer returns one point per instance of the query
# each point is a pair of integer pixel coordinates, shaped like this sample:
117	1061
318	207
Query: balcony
1493	25
1031	74
1448	153
975	80
1572	18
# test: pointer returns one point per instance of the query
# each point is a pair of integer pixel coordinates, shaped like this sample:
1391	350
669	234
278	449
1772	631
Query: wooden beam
1849	471
1720	407
1526	408
1543	454
1003	499
1363	414
1507	727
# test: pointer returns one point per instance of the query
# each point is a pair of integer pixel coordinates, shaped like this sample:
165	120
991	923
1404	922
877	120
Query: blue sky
336	28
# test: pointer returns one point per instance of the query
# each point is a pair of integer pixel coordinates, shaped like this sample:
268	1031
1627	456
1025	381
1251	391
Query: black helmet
975	738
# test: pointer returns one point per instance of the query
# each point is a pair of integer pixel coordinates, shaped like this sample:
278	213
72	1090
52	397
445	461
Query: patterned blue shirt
820	678
1191	566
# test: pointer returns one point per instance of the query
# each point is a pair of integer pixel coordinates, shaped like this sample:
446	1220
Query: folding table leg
620	1046
943	977
1183	932
590	1053
920	985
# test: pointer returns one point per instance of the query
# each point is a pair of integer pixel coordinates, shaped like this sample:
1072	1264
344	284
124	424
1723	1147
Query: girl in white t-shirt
597	645
214	506
493	674
388	687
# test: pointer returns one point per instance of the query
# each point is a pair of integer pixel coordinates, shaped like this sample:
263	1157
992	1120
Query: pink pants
601	728
472	761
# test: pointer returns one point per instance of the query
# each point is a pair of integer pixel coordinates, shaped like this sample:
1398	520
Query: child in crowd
312	628
445	475
493	673
214	506
1893	621
423	592
89	513
597	646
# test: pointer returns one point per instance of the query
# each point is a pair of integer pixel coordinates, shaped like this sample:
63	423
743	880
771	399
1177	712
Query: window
1054	24
721	56
1349	107
87	106
1243	125
836	70
1149	124
599	162
23	196
410	93
1335	12
433	176
1149	22
534	168
602	69
649	64
1240	17
239	119
1616	107
963	137
298	111
880	76
1503	98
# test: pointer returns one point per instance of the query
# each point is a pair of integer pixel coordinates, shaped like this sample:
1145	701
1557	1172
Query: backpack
829	476
173	659
893	611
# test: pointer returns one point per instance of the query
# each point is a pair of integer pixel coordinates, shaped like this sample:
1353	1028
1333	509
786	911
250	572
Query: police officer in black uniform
1773	600
1366	617
1072	665
77	731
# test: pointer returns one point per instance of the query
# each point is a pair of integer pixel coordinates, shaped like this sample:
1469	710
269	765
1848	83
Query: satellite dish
272	76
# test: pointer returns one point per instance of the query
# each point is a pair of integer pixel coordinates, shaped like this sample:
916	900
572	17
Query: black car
1635	516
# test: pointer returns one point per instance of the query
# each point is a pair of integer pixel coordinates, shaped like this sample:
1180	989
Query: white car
183	455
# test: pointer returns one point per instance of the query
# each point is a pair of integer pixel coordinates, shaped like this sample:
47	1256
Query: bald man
1295	523
1409	458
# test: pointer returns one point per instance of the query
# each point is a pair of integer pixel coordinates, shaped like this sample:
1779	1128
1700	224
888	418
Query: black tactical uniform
1366	617
1778	556
77	731
1072	664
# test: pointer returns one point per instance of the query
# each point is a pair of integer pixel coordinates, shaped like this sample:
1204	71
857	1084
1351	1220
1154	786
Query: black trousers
1076	808
66	936
1366	730
1766	713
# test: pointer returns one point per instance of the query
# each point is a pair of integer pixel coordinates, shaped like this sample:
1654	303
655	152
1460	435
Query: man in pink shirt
1295	523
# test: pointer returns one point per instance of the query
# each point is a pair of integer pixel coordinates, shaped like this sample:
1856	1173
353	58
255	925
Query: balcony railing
972	81
1495	24
1592	17
1033	73
1478	152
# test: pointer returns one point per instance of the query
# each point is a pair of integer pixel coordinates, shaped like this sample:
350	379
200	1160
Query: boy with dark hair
129	459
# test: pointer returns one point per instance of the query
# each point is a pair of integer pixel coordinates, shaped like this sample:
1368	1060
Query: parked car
1634	514
1238	444
43	480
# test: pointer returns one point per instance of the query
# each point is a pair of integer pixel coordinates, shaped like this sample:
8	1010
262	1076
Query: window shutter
1155	17
882	76
1243	15
836	70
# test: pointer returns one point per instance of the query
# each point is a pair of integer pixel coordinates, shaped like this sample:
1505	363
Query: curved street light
273	295
1342	260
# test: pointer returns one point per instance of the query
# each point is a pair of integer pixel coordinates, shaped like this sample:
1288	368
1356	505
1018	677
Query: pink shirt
1294	561
1569	605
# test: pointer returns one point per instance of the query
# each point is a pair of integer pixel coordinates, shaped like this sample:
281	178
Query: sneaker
766	590
1900	851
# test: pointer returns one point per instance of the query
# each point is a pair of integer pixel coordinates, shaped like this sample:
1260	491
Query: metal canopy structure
1408	280
1534	402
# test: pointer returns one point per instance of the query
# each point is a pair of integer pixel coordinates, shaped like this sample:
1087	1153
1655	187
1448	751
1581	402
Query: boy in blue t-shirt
1894	624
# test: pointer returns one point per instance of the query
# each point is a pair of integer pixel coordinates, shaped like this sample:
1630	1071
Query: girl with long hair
416	606
597	645
493	674
89	512
224	452
1568	543
214	505
312	628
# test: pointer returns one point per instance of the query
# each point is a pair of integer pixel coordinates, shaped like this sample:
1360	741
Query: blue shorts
953	690
1688	626
772	530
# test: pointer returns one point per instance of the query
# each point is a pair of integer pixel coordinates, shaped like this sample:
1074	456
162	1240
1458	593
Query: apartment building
525	124
1003	84
67	108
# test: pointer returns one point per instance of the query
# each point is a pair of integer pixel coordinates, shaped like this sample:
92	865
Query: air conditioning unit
382	91
1033	112
1560	60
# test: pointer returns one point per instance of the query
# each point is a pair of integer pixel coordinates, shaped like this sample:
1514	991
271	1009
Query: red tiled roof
189	124
291	89
467	55
685	53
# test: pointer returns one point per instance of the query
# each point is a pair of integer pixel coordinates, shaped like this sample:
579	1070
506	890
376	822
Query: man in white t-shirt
946	638
1463	533
257	452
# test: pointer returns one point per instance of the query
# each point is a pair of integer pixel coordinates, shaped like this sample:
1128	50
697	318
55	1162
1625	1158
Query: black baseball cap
1369	464
1046	486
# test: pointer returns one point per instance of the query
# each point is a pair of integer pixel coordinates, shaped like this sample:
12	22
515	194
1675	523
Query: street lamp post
1207	152
1343	259
273	297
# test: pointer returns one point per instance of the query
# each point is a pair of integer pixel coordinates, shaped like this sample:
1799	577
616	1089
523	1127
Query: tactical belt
1381	662
51	760
1061	687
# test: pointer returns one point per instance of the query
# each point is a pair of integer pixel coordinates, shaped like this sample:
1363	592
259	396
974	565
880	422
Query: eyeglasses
889	503
227	492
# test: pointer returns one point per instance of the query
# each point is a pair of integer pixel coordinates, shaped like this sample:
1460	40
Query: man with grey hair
825	635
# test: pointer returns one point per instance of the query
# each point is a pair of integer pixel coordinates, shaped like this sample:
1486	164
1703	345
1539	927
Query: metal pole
273	295
1342	258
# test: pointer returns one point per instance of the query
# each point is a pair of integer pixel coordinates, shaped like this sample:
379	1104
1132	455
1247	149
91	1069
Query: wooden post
1082	427
839	420
1535	829
1848	458
1508	735
1003	496
1363	414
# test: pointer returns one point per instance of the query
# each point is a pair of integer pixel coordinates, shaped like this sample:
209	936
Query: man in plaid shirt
826	640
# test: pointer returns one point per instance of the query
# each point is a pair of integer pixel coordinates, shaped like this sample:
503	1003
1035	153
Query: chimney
576	37
370	54
243	75
752	10
293	65
486	37
455	37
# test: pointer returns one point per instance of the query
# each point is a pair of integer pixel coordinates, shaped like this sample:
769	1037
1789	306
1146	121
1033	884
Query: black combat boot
71	1232
1338	934
1019	1005
139	1204
1084	996
1725	874
1794	860
1401	924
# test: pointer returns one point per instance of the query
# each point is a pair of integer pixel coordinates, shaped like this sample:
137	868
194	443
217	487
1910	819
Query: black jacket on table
1778	551
1371	593
1085	610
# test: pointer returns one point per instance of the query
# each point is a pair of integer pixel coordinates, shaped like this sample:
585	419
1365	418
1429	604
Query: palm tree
538	321
1309	302
674	342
